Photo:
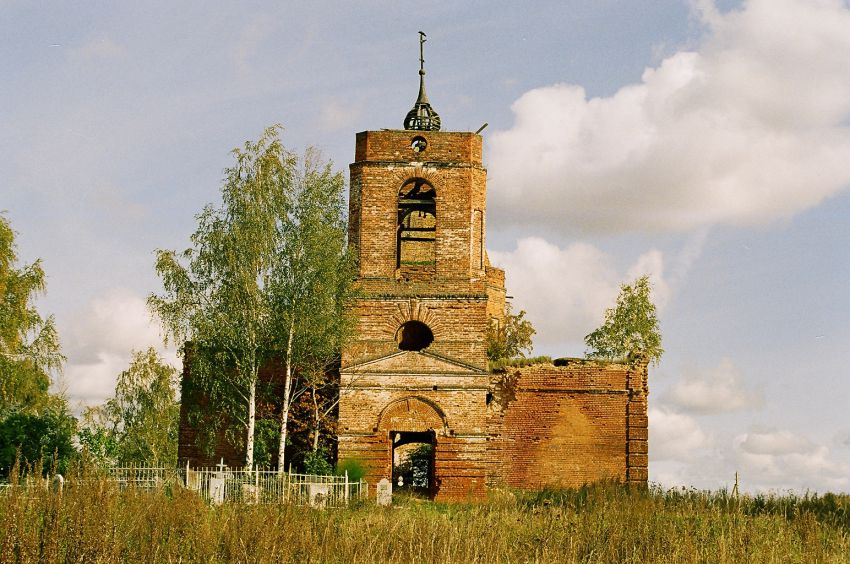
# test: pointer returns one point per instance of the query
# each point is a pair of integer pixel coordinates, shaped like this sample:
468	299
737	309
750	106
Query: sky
706	144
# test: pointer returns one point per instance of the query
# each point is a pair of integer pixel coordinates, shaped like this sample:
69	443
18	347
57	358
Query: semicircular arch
413	413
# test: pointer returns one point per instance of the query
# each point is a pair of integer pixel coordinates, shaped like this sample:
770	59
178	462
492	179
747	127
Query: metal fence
222	484
146	477
219	485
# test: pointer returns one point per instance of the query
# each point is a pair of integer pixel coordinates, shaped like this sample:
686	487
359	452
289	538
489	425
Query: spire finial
422	41
422	117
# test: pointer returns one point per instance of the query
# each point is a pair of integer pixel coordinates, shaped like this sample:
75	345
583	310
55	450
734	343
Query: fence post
346	486
288	482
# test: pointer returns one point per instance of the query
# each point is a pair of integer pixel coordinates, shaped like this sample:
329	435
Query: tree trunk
287	399
252	419
316	420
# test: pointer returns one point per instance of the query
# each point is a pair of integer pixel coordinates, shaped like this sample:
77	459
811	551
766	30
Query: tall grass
94	521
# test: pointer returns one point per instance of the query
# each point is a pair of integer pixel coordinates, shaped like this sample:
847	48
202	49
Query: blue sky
706	144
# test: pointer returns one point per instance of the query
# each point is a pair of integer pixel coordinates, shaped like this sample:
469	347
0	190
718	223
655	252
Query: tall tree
312	283
29	343
139	424
218	293
631	329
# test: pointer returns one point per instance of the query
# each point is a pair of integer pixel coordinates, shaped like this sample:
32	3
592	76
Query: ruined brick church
417	371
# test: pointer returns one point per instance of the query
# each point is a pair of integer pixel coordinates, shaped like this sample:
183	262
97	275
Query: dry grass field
93	521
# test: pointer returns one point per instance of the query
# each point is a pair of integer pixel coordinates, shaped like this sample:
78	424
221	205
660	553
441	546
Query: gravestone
250	493
58	483
193	480
385	492
318	494
216	489
217	484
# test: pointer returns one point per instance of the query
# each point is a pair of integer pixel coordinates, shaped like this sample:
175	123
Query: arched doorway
413	462
413	426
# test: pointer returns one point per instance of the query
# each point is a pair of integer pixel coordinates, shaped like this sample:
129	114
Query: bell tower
417	369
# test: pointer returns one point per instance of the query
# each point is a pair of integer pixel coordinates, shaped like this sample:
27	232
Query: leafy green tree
631	329
218	294
29	343
139	424
45	436
509	339
414	467
312	284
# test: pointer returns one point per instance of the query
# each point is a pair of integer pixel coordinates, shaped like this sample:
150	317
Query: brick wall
568	426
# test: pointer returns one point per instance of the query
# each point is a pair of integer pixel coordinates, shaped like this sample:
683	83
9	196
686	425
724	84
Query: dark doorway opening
413	462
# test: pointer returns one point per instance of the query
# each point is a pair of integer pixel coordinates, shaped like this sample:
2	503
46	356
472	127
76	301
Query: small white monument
217	484
385	492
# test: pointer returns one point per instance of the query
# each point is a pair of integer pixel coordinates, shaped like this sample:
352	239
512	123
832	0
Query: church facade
416	374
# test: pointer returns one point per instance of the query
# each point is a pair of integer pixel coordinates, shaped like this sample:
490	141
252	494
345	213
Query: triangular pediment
413	362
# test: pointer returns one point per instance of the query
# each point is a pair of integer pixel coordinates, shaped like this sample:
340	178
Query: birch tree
312	283
510	339
218	296
138	425
630	330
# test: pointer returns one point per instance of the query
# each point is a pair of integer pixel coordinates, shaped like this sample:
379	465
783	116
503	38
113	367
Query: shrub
354	466
316	462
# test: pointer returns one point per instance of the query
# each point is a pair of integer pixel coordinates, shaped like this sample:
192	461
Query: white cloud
336	115
749	128
782	459
674	436
682	454
566	291
99	50
251	38
773	443
101	340
712	391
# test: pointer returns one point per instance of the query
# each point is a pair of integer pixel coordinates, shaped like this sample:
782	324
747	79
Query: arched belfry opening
417	226
414	336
